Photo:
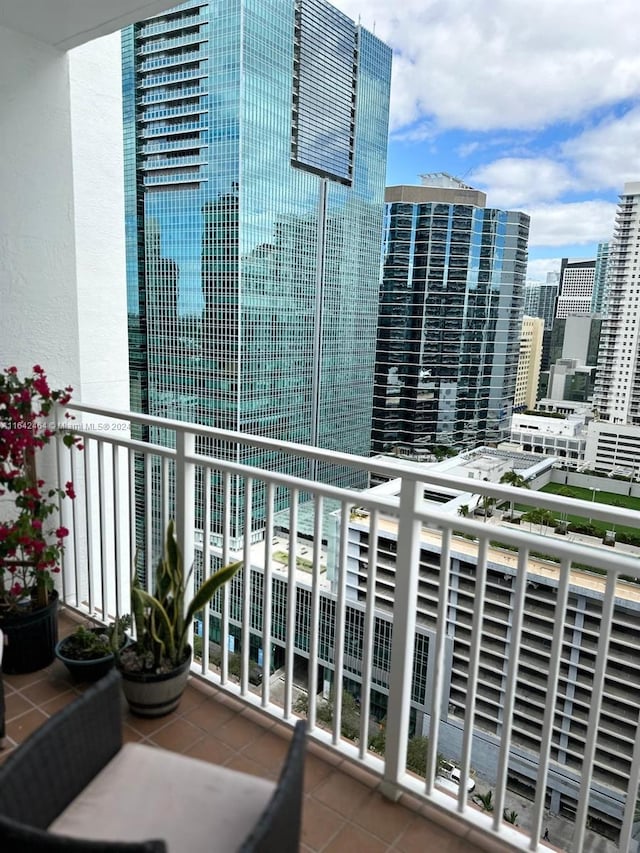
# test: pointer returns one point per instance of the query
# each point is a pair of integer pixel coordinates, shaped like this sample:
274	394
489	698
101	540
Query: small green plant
510	816
91	643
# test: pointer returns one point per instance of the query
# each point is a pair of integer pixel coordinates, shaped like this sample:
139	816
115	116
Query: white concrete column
98	187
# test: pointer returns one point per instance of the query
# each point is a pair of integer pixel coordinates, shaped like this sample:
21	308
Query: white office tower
617	390
576	286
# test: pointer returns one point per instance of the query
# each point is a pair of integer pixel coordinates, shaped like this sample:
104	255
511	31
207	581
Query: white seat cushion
146	792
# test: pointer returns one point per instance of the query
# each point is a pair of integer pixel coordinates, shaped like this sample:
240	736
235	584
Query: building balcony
162	45
313	627
342	807
177	23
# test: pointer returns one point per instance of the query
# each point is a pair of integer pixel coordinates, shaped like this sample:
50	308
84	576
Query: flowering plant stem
30	544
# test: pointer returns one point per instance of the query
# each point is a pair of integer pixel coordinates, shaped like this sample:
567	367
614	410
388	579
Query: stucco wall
38	314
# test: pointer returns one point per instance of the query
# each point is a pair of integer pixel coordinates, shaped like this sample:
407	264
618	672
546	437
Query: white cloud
537	269
512	182
491	64
607	155
571	224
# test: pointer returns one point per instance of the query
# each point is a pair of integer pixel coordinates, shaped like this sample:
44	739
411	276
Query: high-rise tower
576	287
450	317
600	278
617	391
255	143
540	300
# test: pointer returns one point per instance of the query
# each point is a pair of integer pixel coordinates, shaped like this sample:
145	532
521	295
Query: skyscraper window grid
263	263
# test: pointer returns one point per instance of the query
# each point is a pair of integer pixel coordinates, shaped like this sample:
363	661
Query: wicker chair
72	786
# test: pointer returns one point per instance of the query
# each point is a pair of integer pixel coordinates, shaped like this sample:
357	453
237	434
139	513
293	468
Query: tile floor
342	809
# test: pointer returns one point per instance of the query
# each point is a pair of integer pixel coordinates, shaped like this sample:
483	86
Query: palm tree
542	517
463	510
510	478
487	503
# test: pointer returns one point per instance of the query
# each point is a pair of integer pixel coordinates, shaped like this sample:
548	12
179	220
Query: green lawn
601	497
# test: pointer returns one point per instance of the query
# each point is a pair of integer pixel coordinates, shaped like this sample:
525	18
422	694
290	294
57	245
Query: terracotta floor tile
210	716
268	750
239	732
246	765
45	690
342	793
355	840
16	704
319	823
383	818
315	772
130	735
19	682
58	702
211	749
423	834
22	726
178	736
148	726
360	774
191	698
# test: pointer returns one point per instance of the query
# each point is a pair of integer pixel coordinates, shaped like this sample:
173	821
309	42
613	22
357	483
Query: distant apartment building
582	619
617	391
576	287
600	277
528	375
450	314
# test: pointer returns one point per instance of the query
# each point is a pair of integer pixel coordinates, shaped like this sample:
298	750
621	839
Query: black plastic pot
85	670
31	638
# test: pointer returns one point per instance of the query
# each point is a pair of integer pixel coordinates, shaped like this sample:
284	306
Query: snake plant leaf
159	624
209	588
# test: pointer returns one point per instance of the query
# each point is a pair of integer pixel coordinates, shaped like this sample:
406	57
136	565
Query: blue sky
536	102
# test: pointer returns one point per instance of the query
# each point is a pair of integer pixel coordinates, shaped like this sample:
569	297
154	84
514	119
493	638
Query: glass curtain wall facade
449	326
540	300
255	157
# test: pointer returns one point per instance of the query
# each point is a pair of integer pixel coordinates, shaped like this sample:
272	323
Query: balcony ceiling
68	23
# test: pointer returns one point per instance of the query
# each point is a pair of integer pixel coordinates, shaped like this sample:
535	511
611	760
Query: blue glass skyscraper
255	157
450	318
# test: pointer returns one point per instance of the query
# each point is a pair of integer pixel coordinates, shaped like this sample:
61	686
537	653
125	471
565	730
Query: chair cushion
148	792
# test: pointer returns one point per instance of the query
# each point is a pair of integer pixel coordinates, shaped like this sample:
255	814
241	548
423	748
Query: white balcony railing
522	646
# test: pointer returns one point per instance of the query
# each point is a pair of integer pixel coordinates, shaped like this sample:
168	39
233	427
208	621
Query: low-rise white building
550	435
613	448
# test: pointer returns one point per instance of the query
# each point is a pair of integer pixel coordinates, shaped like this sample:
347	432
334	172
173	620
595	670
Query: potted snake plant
155	667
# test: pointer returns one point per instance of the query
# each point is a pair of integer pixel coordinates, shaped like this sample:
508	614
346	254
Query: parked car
449	776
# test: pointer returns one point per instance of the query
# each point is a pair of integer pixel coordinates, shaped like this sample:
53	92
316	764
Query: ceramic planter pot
151	695
31	638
